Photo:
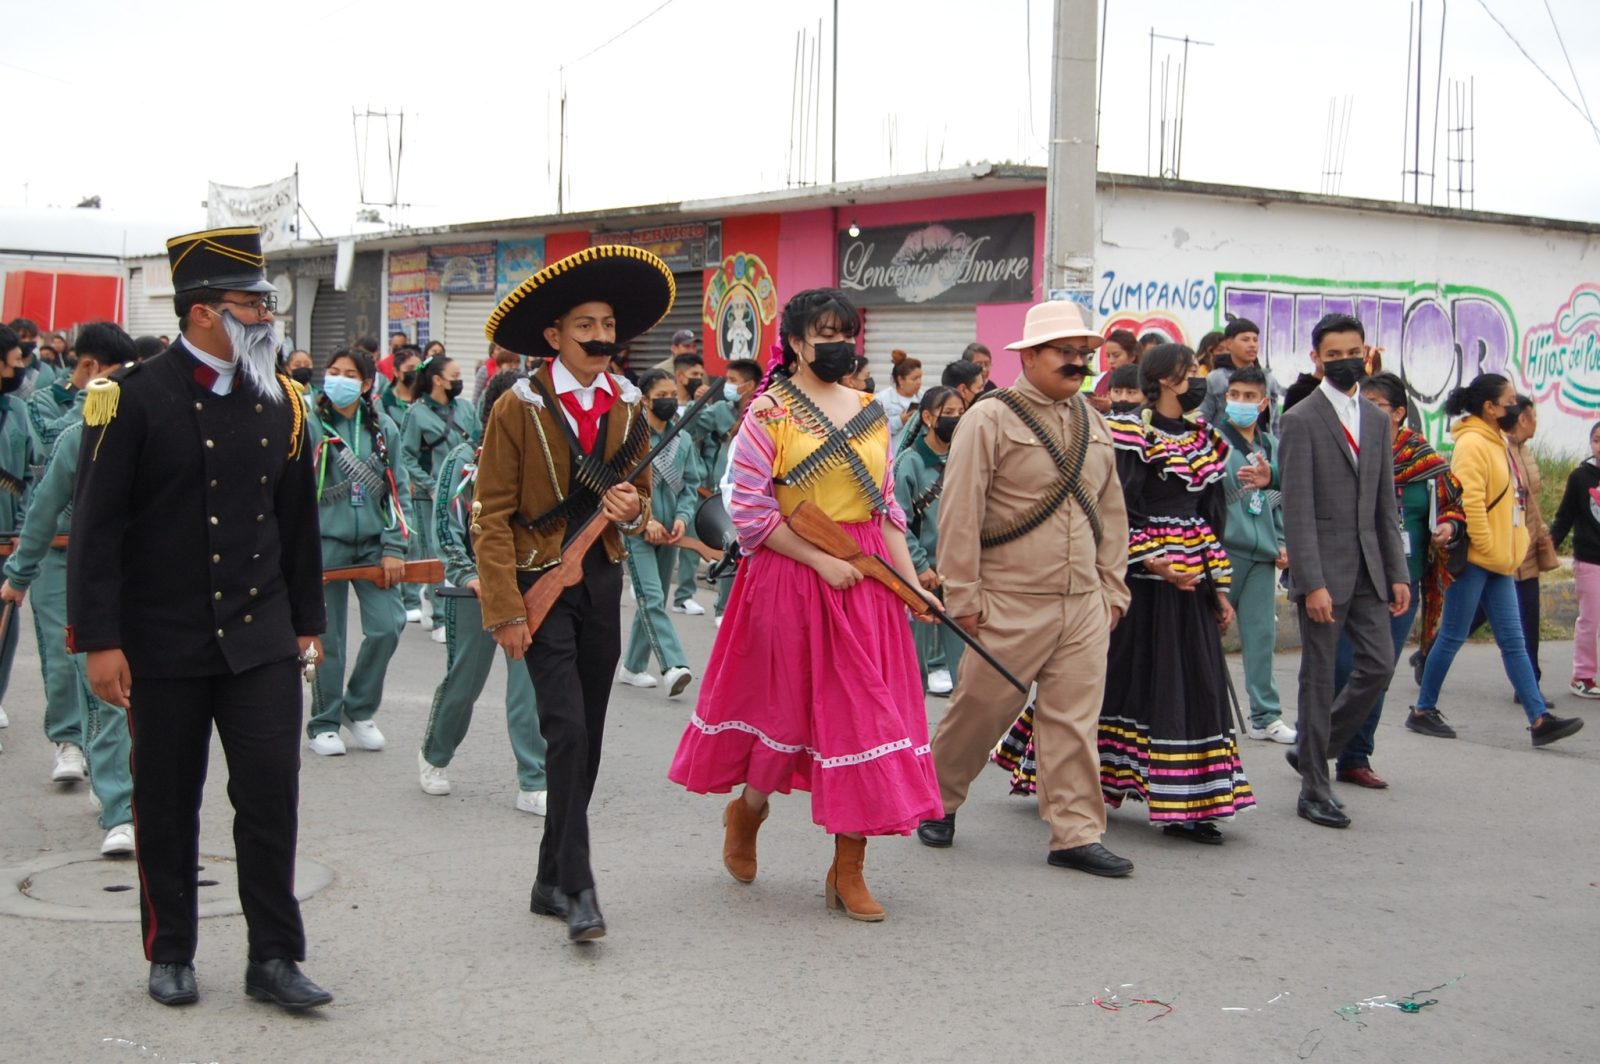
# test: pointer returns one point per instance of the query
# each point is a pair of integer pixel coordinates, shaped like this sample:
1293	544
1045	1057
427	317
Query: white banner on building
273	207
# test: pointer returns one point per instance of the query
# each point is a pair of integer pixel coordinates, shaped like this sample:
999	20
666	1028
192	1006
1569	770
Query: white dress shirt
1348	409
565	382
224	370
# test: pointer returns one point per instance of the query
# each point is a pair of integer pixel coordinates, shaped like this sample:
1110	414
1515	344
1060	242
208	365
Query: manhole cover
86	886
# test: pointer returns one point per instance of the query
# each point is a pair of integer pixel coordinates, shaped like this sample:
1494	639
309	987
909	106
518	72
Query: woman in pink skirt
813	682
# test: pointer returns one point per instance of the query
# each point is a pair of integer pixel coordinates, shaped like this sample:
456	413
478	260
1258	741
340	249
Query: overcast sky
143	103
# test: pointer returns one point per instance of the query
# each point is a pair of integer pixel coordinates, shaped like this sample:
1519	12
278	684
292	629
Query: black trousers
573	663
257	716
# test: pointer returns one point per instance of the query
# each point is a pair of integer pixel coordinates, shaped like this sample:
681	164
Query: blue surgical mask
341	391
730	391
1243	414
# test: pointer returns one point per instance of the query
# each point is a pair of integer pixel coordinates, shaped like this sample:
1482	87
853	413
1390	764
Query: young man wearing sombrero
555	450
1033	547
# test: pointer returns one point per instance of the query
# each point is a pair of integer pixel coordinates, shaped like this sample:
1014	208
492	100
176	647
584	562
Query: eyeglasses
1081	352
267	304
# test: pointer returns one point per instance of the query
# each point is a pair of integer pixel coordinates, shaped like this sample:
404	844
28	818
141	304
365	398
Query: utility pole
833	95
1070	187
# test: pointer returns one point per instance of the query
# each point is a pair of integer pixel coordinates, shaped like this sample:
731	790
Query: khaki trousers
1060	643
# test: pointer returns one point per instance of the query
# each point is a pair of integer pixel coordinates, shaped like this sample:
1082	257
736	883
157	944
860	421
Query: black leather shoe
173	984
1092	858
938	833
1292	755
281	981
1325	813
1549	727
584	922
1429	722
548	900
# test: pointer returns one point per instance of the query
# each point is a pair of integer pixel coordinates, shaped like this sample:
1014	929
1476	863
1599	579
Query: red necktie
588	420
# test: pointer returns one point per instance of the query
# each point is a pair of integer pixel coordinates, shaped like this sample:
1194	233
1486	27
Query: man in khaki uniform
1033	545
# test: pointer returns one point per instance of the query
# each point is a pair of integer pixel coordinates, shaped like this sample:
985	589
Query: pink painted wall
808	245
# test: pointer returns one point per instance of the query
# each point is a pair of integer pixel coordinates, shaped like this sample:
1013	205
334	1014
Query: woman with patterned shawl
1429	497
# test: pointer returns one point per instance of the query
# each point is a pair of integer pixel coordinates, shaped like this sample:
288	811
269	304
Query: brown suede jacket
526	468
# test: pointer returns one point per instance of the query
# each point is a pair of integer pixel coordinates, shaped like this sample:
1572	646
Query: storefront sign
690	246
978	260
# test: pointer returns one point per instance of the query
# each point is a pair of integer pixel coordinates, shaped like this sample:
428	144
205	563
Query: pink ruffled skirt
816	690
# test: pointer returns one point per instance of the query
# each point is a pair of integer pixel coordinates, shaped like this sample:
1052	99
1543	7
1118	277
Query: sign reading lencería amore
979	260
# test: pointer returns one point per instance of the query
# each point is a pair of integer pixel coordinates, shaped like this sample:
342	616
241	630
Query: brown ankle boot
739	842
845	888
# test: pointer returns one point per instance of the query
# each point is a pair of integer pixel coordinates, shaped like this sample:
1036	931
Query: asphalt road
1480	861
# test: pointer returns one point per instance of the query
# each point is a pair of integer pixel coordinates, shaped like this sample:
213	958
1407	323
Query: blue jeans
1359	749
1498	594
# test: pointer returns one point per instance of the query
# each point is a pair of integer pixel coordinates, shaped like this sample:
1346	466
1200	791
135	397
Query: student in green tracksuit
652	554
707	432
1252	534
744	374
39	568
435	422
19	453
471	651
918	480
360	485
394	399
54	406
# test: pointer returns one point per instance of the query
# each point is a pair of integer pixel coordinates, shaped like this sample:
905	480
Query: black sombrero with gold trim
638	286
229	260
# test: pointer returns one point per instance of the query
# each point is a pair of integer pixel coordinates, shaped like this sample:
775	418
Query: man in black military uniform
195	588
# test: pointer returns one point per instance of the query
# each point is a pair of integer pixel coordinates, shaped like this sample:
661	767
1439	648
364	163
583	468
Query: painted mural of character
741	332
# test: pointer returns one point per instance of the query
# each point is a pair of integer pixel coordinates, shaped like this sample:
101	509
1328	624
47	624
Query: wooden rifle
8	543
425	571
568	572
814	526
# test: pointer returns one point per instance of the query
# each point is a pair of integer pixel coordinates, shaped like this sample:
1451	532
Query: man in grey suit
1347	561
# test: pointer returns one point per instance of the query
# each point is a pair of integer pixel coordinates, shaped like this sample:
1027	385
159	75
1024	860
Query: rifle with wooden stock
568	572
424	571
823	532
8	543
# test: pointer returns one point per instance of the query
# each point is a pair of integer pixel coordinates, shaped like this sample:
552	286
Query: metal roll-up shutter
148	315
933	335
329	324
462	336
656	345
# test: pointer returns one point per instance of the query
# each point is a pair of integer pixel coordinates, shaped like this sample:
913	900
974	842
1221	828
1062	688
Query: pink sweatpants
1586	576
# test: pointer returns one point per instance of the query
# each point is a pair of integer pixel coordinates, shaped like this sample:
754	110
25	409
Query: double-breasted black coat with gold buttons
195	546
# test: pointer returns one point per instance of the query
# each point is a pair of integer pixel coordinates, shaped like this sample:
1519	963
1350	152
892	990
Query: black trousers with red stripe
257	716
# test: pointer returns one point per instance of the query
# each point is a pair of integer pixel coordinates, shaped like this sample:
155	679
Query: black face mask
1124	407
409	378
1191	399
454	390
600	347
11	383
665	408
1345	373
870	385
301	374
833	361
693	387
945	428
1508	421
28	348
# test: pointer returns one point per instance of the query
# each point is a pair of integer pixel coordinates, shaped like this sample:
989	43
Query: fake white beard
255	352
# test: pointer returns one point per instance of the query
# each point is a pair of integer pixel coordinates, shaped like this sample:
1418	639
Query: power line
1553	84
1567	56
623	32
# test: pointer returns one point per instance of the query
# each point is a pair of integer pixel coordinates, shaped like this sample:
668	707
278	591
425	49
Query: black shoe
173	984
1429	722
1292	755
1546	730
1327	813
584	922
1092	858
938	833
281	981
1199	832
1419	665
548	900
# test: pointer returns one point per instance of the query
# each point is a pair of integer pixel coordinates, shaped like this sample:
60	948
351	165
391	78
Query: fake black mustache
600	347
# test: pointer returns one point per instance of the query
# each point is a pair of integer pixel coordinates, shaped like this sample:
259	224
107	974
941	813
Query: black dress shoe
584	922
548	900
1292	755
1325	813
173	984
1549	727
938	833
280	980
1092	858
1429	722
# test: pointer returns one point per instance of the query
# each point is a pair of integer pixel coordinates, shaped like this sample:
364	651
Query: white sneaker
427	623
677	679
366	735
437	635
939	682
717	620
433	778
413	616
5	721
692	608
535	802
1277	732
328	744
95	803
70	766
635	679
119	841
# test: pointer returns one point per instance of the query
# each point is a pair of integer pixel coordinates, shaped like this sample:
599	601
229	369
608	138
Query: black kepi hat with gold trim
637	285
228	260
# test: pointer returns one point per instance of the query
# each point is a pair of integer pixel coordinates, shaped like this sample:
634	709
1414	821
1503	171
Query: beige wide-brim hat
1058	319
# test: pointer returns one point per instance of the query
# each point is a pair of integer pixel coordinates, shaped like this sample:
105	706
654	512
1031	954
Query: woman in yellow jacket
1494	499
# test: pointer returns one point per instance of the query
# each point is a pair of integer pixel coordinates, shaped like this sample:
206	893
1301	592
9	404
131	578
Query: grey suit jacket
1340	520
